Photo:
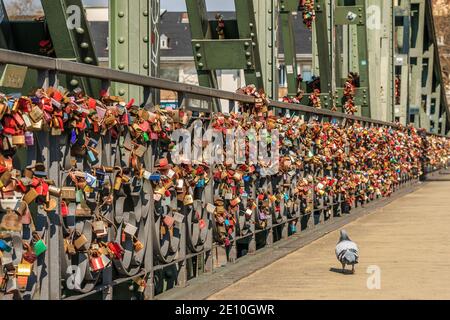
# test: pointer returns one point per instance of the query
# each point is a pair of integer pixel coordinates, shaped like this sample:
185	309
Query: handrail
85	70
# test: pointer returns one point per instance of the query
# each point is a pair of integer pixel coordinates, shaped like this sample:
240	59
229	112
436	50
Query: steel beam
287	34
134	44
71	38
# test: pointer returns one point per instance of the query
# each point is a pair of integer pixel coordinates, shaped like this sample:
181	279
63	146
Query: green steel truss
134	44
71	38
71	41
288	37
240	48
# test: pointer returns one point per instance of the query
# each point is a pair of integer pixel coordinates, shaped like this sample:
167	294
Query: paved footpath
409	240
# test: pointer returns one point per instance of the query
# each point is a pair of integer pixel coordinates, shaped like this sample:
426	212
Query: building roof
179	34
177	30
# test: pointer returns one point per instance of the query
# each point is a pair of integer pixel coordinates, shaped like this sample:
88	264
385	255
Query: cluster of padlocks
105	168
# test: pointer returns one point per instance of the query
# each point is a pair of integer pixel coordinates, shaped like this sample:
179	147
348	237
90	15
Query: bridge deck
409	240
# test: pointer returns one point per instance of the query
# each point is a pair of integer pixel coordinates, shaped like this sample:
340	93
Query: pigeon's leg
343	267
353	268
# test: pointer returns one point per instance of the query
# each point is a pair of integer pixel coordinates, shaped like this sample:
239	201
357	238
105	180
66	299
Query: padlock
157	196
210	208
24	269
90	179
4	246
11	285
188	200
99	228
178	217
234	202
54	191
117	183
138	245
68	193
30	196
69	248
130	229
18	140
116	249
36	114
168	221
39	246
80	242
96	262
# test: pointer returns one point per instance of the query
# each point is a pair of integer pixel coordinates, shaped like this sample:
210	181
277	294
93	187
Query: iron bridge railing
170	259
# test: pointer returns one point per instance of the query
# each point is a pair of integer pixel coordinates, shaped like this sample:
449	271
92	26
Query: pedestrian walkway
408	240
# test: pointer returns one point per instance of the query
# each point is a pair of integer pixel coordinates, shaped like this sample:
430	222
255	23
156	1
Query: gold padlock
188	200
117	183
68	193
80	242
138	246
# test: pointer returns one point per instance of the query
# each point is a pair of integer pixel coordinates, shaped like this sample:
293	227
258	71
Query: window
440	40
164	42
306	73
282	76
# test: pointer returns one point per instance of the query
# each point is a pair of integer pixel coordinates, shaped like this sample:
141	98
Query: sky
171	5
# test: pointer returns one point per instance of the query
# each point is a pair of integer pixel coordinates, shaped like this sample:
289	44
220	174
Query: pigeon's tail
349	256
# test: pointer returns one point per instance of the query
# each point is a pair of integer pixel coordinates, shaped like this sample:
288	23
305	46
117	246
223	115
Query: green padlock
39	245
145	136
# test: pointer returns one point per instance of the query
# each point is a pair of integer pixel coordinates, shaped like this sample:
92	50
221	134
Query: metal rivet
121	66
121	40
74	82
252	34
197	45
145	13
145	39
88	60
270	28
121	14
246	44
248	54
199	55
84	45
249	64
79	30
200	65
122	92
145	65
254	44
250	25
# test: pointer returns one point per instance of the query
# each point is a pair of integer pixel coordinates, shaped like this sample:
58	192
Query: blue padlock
73	137
247	178
227	223
91	156
4	246
200	183
90	179
156	177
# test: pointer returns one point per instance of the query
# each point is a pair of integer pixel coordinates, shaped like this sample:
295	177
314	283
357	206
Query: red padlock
64	209
116	249
97	263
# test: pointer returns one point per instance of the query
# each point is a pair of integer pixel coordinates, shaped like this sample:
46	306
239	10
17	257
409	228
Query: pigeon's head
344	236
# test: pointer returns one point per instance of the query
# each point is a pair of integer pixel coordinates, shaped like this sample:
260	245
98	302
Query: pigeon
347	251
